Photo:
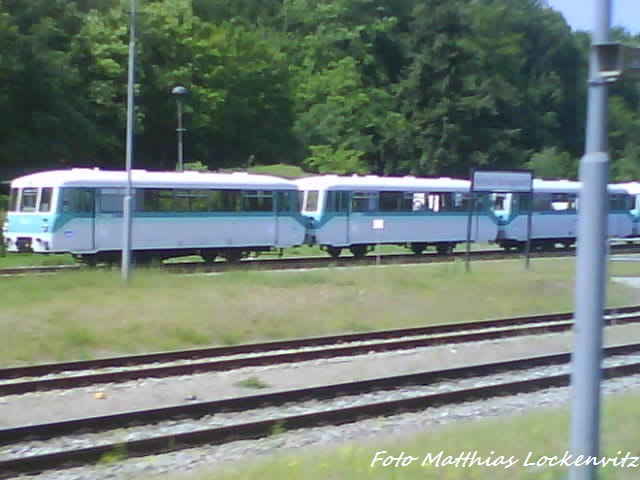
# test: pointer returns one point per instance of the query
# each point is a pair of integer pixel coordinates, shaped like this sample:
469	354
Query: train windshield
13	200
310	201
28	199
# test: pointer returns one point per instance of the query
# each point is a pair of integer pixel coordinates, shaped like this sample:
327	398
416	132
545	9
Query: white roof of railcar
567	186
85	177
374	182
633	188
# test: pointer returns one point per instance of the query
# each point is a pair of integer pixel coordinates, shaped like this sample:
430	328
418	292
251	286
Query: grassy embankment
89	313
542	432
31	260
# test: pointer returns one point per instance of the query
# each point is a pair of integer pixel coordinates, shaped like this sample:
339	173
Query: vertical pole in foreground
591	265
527	248
470	212
127	204
180	130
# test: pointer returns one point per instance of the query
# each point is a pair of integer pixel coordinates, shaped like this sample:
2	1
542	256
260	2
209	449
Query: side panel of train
360	219
554	219
633	189
168	221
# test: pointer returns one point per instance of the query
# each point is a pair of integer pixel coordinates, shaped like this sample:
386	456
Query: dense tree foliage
431	87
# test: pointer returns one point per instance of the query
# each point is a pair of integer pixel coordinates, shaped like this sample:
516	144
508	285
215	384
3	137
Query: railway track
66	375
500	379
259	264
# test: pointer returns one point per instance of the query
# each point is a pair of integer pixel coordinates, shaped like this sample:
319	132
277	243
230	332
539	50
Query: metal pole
527	248
591	266
467	256
126	207
180	130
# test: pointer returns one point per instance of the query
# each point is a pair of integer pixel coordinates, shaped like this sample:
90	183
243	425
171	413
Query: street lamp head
179	90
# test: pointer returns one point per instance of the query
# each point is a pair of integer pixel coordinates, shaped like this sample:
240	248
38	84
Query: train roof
374	182
86	177
443	184
633	188
567	186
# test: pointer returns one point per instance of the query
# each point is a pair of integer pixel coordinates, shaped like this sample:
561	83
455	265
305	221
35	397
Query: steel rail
333	350
274	352
238	404
255	430
324	262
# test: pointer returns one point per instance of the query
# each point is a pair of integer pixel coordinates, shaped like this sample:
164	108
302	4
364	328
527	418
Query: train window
13	200
257	201
418	201
111	200
45	199
158	200
337	201
199	200
77	200
392	201
342	201
181	201
287	201
448	202
619	202
521	202
311	201
226	200
28	199
542	202
363	202
563	202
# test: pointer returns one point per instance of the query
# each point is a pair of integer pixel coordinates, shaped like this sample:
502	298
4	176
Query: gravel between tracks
56	405
40	407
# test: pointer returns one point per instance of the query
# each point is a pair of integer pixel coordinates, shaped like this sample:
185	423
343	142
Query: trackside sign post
500	181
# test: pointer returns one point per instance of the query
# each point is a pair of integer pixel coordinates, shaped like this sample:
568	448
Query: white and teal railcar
633	189
554	215
359	212
79	211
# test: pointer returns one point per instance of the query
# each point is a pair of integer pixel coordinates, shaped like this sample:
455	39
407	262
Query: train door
280	206
89	195
108	218
339	206
78	204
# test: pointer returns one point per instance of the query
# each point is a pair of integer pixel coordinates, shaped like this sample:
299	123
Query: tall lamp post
127	204
179	92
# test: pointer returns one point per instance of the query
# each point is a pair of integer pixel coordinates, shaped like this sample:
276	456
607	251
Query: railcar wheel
444	248
89	260
418	248
358	251
233	256
334	251
209	256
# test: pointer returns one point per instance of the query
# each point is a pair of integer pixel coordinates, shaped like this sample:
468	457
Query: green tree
550	163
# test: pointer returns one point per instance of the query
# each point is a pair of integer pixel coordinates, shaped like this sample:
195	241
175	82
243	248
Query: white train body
359	212
554	215
633	189
79	211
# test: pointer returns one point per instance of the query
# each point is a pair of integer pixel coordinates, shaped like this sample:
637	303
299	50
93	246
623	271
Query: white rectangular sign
501	181
378	224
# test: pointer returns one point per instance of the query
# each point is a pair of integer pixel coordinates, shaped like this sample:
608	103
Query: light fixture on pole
127	203
179	92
